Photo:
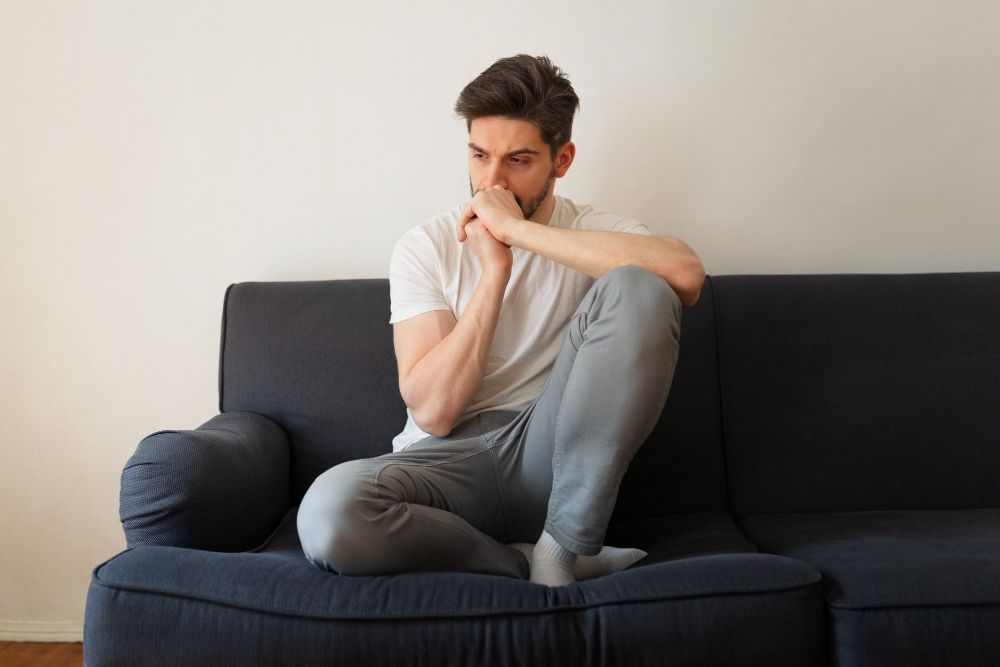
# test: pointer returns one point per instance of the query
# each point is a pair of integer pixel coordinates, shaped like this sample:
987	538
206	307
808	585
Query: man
536	341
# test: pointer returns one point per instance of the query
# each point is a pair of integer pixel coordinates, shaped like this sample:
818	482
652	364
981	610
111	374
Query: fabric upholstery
680	536
927	579
315	357
273	607
895	558
860	392
222	486
681	467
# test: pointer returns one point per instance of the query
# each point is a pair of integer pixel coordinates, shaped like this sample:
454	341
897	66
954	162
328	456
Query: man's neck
544	213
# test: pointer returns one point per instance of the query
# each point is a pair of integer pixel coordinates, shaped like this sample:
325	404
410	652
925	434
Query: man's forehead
499	134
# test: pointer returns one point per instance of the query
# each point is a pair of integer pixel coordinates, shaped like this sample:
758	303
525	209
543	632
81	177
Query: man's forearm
445	378
596	252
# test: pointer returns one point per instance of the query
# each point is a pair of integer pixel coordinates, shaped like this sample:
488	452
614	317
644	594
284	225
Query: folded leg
433	506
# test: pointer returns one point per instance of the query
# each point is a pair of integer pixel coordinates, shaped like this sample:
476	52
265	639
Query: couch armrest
221	487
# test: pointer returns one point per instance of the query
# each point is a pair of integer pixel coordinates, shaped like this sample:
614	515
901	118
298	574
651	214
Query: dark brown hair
527	88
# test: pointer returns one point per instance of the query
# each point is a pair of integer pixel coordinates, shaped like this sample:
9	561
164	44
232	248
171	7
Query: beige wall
151	153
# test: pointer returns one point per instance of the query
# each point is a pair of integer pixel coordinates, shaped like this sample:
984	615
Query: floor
54	654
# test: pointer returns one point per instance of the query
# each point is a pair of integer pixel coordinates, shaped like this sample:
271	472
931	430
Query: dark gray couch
823	487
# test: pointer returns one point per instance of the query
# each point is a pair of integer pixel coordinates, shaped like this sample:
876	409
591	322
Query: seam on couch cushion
722	409
900	607
451	613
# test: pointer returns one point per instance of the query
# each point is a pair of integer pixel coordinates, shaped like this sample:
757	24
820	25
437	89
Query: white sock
551	563
609	561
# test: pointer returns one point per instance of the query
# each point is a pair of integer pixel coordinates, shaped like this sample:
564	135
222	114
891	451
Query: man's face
510	152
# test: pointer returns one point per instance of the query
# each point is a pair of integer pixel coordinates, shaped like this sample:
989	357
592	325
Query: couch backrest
860	392
681	467
317	357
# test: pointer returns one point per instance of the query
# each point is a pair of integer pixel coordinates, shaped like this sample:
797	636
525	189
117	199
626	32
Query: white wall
151	153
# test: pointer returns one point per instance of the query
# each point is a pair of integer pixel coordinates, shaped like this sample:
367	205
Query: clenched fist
494	256
496	209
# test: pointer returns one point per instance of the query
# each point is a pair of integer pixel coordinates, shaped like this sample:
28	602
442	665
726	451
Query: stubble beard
536	201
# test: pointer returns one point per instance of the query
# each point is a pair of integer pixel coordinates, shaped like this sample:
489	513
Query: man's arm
588	251
595	252
438	383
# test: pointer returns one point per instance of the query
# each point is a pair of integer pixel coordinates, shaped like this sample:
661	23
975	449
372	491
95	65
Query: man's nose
494	175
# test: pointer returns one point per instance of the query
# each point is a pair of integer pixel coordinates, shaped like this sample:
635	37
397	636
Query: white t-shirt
430	270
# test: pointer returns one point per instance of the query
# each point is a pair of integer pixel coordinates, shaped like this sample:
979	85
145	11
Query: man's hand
495	208
495	257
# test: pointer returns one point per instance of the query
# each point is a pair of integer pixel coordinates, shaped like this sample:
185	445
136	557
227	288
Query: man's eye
518	161
478	156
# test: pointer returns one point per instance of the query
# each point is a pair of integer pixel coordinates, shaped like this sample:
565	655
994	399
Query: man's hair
526	88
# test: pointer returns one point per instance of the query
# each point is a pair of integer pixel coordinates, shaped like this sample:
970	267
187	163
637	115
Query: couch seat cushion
876	559
679	536
904	587
719	607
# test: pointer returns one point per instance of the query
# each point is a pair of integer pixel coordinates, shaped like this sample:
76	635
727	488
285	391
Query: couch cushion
903	587
317	358
860	392
272	606
679	536
681	467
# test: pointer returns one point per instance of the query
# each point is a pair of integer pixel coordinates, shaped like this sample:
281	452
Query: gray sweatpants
453	503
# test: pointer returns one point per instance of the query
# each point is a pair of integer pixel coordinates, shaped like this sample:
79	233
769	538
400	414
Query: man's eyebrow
519	151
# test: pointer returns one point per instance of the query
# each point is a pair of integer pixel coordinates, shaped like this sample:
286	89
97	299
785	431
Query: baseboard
41	631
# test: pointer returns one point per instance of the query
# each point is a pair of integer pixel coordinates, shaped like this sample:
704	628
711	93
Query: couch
823	487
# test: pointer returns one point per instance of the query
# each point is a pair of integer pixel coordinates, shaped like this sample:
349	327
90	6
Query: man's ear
564	158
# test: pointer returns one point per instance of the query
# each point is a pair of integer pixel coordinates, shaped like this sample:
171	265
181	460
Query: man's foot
551	563
609	561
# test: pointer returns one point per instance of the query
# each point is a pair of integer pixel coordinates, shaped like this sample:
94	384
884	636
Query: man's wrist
501	276
514	229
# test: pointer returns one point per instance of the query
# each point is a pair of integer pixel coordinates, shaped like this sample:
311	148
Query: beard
534	203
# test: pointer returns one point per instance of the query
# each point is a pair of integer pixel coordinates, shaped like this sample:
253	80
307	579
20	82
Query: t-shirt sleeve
608	222
630	226
414	278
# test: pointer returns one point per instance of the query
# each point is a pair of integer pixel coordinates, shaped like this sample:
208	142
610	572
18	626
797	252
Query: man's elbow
434	424
435	417
689	289
682	269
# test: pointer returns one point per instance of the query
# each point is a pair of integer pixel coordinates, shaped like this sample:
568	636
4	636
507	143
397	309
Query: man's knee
651	297
334	516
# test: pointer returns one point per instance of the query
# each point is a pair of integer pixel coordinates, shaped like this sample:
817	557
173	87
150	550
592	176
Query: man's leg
436	505
433	506
562	460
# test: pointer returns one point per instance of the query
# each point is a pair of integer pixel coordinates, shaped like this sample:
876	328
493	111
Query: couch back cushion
860	391
681	467
317	358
